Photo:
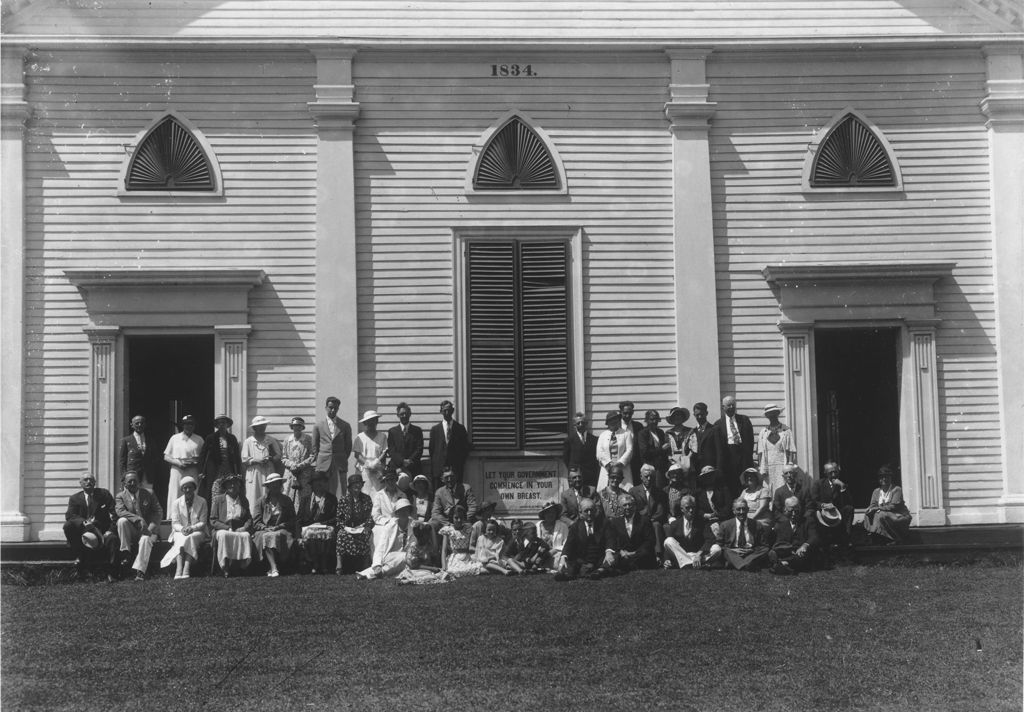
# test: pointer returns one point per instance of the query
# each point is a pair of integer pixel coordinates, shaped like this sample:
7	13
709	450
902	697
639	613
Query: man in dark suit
700	444
830	491
684	537
138	521
451	494
791	487
797	546
89	527
405	443
742	542
449	445
626	408
589	547
136	455
573	495
634	538
652	502
332	443
734	445
579	450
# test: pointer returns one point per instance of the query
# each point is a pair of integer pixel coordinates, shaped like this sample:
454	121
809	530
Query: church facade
244	208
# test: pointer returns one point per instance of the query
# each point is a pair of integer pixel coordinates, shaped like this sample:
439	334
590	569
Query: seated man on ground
797	546
684	543
89	528
741	541
588	545
633	536
830	493
139	516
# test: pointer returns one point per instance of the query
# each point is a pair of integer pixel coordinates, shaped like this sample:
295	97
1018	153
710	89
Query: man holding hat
797	544
220	457
579	450
614	446
332	443
829	496
89	526
182	454
139	516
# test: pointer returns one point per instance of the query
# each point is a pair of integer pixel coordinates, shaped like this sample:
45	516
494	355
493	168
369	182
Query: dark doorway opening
169	377
857	372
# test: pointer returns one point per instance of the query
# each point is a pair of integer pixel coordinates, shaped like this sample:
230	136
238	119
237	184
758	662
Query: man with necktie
579	450
734	445
138	521
588	546
405	443
449	445
332	443
136	455
684	541
741	541
89	527
574	495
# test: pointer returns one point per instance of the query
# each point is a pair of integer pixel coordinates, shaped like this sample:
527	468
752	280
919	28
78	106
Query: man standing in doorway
449	445
332	443
136	455
405	443
734	445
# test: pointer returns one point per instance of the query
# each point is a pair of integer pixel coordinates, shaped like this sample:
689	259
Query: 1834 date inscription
513	70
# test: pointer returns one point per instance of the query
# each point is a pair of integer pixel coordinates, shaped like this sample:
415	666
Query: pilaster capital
101	334
14	109
1004	103
335	106
233	332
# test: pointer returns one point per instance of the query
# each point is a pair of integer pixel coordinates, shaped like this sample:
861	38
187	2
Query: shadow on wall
276	341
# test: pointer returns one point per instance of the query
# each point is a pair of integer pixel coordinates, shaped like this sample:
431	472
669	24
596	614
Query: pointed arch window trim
130	150
823	135
560	187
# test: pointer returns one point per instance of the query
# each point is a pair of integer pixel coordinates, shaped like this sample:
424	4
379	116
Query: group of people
638	497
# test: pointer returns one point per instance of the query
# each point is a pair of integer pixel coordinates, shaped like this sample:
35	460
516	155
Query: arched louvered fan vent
170	158
515	158
851	155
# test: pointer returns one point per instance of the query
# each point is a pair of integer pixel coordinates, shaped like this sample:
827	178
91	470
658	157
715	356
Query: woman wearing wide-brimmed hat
219	458
261	455
273	522
231	521
370	448
554	532
677	436
189	529
775	448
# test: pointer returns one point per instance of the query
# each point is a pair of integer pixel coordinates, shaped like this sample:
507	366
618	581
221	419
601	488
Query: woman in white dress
182	454
189	529
775	448
370	448
555	532
260	453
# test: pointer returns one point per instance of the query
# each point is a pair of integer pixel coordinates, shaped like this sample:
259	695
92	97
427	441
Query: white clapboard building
528	208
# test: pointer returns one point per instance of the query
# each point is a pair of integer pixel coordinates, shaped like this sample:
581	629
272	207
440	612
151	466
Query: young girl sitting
459	562
489	547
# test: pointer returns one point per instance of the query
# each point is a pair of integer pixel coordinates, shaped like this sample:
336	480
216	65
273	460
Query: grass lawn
924	638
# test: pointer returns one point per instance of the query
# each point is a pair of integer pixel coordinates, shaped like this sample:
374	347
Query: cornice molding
797	274
193	277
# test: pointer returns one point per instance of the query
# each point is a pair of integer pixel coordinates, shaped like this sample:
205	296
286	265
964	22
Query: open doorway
857	372
169	377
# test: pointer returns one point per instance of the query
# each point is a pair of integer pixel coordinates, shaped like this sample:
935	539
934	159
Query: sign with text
520	487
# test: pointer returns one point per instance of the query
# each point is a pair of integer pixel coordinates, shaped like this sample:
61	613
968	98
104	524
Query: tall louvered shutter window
850	156
169	158
519	363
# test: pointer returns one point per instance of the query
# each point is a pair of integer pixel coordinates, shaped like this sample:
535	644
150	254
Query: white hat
259	420
187	480
91	540
369	415
272	478
772	407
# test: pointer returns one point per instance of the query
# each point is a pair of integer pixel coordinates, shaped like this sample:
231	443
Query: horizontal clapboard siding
767	114
520	19
87	109
418	123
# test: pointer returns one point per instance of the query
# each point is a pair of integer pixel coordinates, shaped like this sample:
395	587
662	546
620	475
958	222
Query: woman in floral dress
355	527
260	452
460	561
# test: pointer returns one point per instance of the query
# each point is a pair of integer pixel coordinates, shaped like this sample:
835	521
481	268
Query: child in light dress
459	561
490	546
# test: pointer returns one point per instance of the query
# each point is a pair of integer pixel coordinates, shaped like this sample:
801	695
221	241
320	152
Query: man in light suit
89	527
449	445
405	443
734	445
136	455
453	493
332	443
138	520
